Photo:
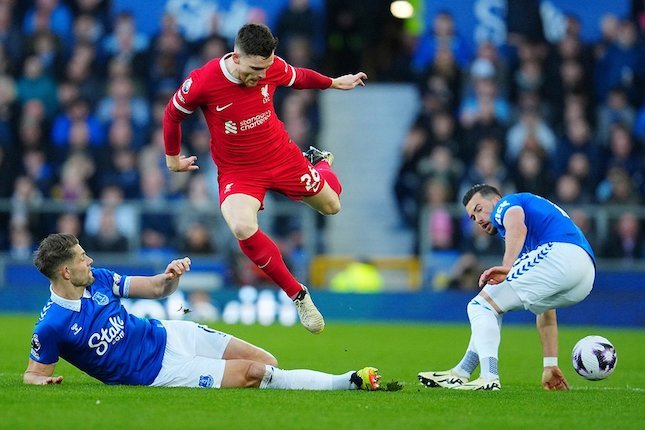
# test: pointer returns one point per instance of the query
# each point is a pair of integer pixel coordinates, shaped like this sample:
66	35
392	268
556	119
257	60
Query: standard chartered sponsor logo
254	121
102	340
230	127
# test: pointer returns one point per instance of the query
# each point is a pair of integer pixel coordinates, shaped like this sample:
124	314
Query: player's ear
64	272
236	57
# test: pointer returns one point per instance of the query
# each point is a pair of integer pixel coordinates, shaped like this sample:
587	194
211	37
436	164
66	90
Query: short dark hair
54	250
484	189
256	39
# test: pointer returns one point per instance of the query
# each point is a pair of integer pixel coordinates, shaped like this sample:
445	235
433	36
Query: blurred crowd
82	96
562	119
83	90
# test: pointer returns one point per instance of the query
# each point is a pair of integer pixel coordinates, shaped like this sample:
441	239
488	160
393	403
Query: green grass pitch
398	350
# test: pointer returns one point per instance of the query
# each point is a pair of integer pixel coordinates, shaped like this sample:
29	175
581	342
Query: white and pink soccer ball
594	358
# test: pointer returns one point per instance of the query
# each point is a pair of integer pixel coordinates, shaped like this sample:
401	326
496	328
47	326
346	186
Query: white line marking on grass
608	389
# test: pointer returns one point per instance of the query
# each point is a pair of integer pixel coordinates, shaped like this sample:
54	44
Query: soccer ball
594	358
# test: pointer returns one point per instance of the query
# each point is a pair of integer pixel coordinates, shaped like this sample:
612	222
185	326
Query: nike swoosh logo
265	264
221	108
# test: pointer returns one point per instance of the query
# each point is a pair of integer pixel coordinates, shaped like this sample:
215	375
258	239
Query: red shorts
294	177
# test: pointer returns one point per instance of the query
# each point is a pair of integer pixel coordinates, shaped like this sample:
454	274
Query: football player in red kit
252	149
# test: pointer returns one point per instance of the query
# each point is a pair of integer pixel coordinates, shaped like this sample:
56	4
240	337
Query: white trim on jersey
72	305
179	107
293	78
122	292
227	74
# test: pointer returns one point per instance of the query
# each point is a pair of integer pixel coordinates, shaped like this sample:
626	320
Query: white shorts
193	356
554	275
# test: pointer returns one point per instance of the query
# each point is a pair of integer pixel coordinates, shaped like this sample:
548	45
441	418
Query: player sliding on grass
85	323
252	149
547	264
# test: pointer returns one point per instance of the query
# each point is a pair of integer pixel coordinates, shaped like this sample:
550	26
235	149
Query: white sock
485	326
303	379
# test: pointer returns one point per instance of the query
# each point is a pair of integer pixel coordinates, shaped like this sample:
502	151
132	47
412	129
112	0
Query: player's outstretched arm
181	163
348	82
552	377
40	374
161	285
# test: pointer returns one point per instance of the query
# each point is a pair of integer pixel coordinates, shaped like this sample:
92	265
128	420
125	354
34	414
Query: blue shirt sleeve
44	345
120	285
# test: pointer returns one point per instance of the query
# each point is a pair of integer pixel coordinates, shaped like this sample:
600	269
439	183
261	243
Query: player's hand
176	268
181	163
553	379
493	276
347	82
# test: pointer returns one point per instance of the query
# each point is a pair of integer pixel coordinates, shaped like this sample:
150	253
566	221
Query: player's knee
243	230
270	360
476	306
331	208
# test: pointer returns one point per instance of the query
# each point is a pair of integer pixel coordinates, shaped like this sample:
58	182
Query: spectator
49	15
577	139
127	220
108	238
77	112
21	246
530	133
530	174
196	240
11	38
34	84
299	20
615	110
623	153
485	91
69	223
82	70
465	273
441	34
568	191
626	240
127	44
617	188
122	103
157	227
622	64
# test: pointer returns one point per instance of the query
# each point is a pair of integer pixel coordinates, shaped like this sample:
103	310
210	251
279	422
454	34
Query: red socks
325	171
265	254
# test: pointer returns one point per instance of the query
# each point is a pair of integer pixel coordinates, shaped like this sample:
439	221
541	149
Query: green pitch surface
399	351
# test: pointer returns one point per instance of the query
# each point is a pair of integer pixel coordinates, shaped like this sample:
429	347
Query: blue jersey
545	222
97	335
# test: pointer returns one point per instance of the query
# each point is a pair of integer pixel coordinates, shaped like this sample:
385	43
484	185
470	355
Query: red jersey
243	125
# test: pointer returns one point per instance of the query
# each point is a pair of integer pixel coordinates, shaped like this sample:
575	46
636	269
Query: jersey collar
227	74
72	305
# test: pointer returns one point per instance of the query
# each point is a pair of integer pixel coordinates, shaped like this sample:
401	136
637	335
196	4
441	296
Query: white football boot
310	316
481	384
444	379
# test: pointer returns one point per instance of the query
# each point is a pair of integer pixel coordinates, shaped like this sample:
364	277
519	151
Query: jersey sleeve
502	207
183	103
44	345
299	77
111	283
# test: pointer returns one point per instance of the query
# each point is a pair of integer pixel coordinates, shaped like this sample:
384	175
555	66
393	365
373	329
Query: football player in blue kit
84	323
547	264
